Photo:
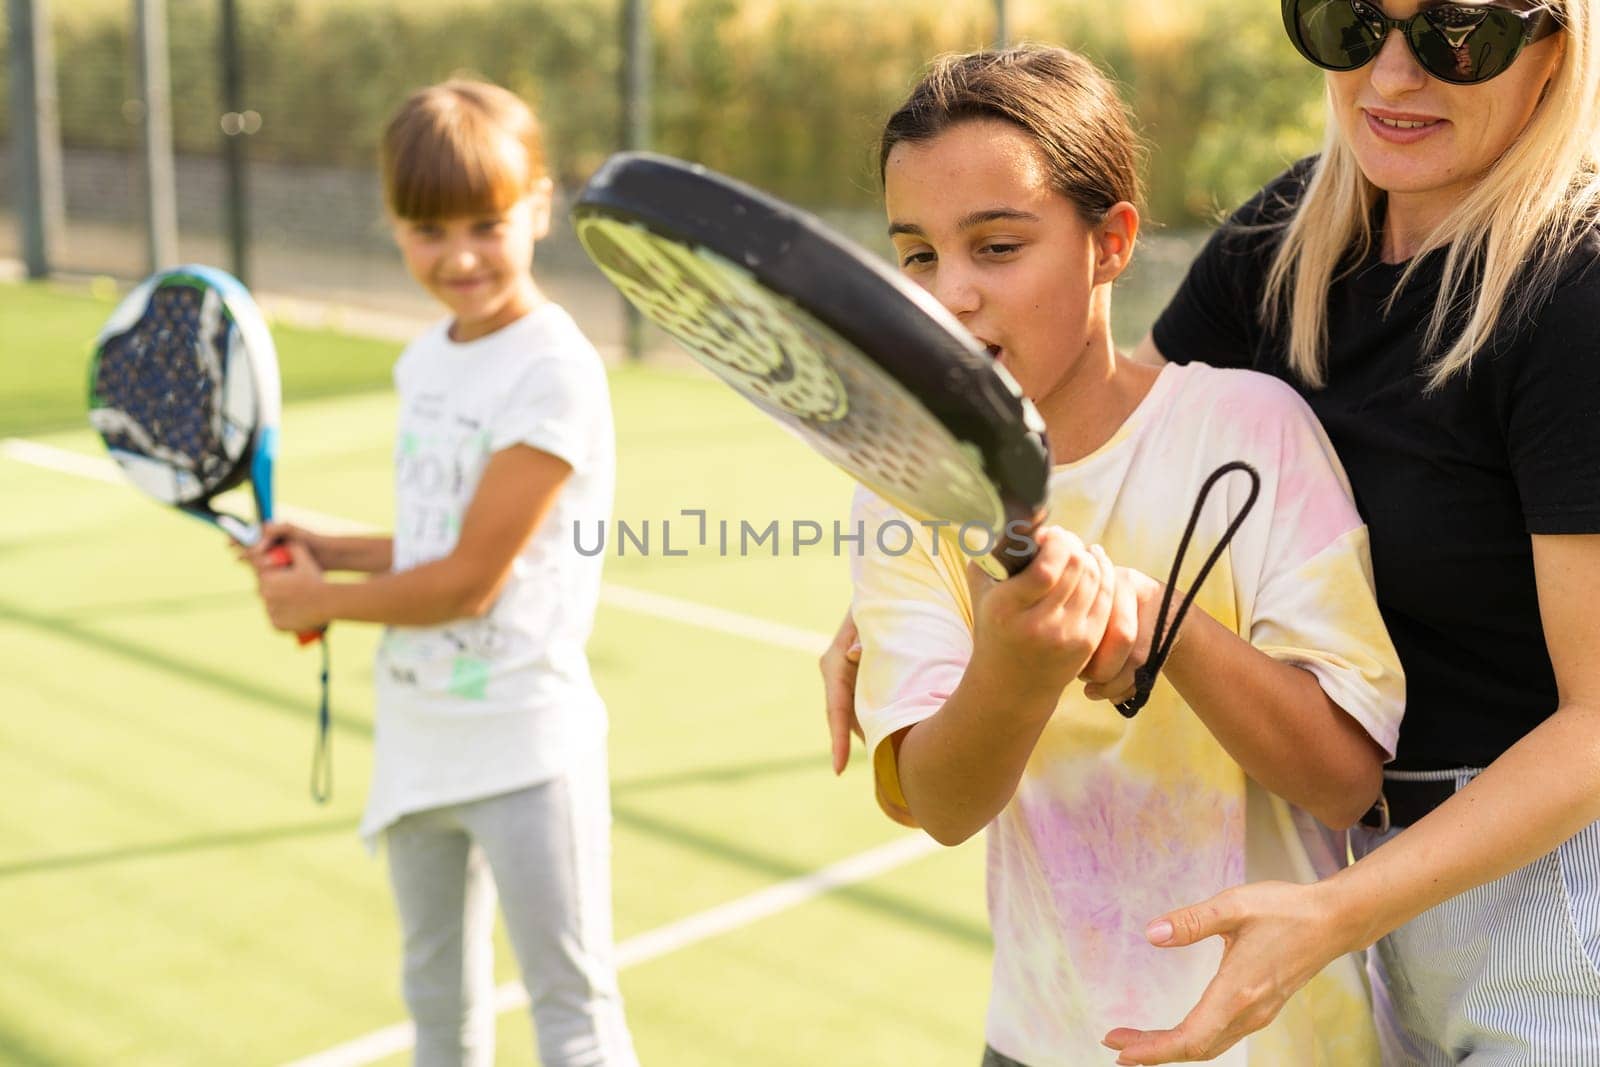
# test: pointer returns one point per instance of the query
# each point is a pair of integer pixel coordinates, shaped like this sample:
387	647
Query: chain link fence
786	94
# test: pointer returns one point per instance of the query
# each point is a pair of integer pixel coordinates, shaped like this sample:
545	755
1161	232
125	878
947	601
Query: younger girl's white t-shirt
483	706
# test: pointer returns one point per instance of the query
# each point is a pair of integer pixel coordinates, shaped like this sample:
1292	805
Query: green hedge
785	93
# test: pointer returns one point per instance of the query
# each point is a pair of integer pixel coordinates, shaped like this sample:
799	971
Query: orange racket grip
278	556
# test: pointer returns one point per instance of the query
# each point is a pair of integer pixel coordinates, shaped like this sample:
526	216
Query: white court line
96	468
661	941
639	601
652	944
717	619
102	469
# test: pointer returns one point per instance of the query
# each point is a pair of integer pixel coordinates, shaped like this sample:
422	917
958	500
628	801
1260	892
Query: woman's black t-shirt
1450	483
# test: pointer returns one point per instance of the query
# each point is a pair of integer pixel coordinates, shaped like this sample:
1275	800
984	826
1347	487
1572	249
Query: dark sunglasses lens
1466	44
1338	34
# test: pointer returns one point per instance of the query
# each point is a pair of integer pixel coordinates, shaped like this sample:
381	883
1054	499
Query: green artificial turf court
169	894
48	333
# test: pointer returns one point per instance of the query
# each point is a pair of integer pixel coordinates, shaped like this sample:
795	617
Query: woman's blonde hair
1506	241
460	148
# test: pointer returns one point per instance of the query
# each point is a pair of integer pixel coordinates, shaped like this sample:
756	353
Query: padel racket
863	365
184	390
860	363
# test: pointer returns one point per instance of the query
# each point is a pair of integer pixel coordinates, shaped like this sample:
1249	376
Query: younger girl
490	763
1009	182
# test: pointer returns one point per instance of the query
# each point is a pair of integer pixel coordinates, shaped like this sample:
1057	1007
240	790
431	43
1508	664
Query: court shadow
881	902
16	1051
15	547
204	843
156	606
726	774
65	628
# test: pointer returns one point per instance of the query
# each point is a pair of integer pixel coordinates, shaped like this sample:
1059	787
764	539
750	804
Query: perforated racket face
798	370
172	391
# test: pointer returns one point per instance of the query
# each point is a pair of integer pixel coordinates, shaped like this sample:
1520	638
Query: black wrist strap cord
322	755
1164	636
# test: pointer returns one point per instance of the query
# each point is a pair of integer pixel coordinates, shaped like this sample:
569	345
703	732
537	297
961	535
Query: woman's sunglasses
1459	43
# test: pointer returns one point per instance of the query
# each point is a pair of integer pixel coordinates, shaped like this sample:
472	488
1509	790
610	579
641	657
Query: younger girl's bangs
448	179
446	154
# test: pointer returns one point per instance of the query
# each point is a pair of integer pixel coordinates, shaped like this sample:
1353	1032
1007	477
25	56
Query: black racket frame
898	326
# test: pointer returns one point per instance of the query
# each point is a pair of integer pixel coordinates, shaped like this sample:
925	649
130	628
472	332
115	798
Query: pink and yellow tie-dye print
1116	821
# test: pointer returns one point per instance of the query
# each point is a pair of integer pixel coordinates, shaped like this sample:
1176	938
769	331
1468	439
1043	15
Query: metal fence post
636	78
36	133
155	97
236	126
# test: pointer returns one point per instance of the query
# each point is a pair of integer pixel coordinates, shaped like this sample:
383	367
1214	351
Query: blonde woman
1430	284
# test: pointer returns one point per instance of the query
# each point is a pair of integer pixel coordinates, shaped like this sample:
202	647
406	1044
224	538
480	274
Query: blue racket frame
251	405
252	354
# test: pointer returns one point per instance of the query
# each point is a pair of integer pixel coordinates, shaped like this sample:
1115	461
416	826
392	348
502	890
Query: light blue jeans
545	852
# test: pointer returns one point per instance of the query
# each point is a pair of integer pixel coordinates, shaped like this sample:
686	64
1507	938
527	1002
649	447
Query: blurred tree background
787	94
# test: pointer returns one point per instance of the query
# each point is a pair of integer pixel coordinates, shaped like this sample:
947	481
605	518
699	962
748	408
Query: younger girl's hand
275	536
1043	624
292	593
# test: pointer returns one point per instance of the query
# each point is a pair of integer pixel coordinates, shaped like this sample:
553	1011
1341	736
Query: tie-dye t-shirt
1116	821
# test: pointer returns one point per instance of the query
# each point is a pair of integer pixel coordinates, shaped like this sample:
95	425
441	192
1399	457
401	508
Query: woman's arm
517	489
839	665
1539	793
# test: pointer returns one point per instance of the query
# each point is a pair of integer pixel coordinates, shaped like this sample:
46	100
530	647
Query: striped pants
1505	974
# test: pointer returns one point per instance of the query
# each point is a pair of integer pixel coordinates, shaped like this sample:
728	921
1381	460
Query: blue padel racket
860	363
183	389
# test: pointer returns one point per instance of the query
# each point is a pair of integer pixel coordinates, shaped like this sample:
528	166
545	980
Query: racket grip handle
278	556
1019	543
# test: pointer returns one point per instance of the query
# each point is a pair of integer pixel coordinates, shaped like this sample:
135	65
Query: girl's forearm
365	554
429	595
1544	789
1276	722
960	767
